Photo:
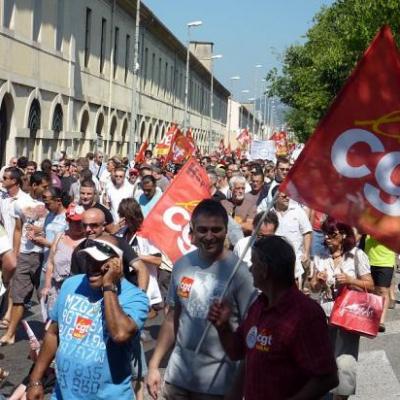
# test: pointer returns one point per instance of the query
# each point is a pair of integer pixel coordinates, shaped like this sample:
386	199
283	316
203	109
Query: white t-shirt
114	196
30	212
143	247
293	224
7	211
240	246
5	244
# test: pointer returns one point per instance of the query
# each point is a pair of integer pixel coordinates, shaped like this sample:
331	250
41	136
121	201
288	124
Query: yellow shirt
378	254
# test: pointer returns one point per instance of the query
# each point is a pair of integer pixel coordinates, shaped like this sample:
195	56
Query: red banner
191	140
244	137
280	139
180	150
349	168
162	148
140	154
171	215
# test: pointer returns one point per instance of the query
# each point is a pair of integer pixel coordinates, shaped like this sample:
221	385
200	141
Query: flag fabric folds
349	168
167	224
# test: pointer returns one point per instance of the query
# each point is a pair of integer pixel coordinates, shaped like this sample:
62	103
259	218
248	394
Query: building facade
66	79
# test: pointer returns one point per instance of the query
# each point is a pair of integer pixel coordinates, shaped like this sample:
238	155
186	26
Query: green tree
313	72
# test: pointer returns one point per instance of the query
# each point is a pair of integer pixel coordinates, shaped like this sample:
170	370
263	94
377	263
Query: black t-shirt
78	261
109	219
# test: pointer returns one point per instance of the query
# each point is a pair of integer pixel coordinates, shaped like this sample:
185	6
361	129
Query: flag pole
237	266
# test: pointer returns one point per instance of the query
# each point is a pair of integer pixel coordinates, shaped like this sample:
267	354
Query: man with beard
197	279
239	207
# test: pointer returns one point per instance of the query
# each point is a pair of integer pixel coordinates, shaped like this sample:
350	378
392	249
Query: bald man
93	221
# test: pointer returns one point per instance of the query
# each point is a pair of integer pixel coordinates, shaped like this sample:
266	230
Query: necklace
337	256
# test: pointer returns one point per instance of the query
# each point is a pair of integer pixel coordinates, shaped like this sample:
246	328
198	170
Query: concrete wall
42	61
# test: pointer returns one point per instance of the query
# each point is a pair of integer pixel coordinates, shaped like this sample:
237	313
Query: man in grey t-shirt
197	280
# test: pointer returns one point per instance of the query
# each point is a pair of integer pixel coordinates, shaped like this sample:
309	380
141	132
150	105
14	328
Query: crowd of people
70	238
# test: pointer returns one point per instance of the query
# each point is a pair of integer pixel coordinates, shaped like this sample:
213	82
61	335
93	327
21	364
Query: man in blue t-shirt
94	322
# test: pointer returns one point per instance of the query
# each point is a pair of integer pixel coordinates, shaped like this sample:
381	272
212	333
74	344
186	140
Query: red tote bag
357	312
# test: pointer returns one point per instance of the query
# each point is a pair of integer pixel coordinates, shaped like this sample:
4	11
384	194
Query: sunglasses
91	225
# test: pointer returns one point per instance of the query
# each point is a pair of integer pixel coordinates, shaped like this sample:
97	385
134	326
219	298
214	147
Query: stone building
66	79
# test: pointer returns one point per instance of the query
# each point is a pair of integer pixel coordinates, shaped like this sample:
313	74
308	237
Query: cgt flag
162	148
350	167
140	154
180	150
171	215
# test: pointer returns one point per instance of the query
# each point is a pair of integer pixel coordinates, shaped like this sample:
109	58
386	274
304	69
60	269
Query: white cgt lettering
342	146
383	172
169	215
183	242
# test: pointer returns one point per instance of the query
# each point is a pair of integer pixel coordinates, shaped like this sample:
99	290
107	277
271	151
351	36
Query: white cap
102	250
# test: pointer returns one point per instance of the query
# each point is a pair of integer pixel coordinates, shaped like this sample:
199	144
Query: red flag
190	138
349	167
280	139
228	150
244	137
221	147
171	215
140	154
180	150
162	148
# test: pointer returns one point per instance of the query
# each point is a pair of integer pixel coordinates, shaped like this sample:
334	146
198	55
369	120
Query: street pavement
378	375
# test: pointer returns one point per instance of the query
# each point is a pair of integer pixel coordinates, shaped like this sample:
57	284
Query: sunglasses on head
104	248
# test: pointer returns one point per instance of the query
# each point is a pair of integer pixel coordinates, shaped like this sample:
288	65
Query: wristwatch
110	288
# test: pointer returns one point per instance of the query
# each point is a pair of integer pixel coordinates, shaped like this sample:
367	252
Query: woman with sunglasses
59	262
344	265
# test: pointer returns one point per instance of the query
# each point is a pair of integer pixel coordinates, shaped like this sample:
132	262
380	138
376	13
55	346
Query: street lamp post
132	133
257	67
244	91
232	79
215	57
185	115
253	100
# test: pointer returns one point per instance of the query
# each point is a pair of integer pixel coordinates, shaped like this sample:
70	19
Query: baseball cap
133	171
101	250
74	212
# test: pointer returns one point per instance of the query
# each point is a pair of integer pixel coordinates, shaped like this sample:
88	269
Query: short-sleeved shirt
242	212
354	263
147	204
115	195
378	254
5	243
143	247
195	284
293	224
7	210
53	224
89	365
31	212
285	346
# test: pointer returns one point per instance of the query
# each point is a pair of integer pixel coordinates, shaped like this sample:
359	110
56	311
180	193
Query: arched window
34	118
57	124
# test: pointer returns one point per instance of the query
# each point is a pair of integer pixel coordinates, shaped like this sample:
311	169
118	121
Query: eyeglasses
92	225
